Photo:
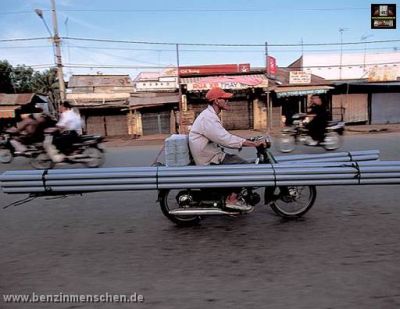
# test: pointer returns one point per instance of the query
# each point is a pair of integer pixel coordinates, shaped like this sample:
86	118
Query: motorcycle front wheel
291	201
168	201
332	141
42	162
95	155
286	143
5	155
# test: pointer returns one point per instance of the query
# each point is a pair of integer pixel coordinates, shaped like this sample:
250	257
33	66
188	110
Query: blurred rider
69	128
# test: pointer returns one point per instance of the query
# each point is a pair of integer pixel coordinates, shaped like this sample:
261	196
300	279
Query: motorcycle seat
299	116
332	123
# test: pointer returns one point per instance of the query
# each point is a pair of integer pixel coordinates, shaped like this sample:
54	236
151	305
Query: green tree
21	77
46	83
6	69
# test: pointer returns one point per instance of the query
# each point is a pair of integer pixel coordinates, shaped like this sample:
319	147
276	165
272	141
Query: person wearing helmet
207	135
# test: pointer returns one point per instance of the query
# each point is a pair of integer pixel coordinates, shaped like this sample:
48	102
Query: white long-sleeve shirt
70	121
206	134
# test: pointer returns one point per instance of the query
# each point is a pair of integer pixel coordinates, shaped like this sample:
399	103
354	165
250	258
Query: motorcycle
87	150
298	133
8	151
189	206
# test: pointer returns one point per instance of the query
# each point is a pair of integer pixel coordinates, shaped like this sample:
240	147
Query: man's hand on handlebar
256	143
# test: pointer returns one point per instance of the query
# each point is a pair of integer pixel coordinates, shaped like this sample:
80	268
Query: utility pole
57	45
266	58
180	129
269	107
302	48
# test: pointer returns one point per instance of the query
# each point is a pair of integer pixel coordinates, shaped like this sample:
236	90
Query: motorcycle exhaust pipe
201	212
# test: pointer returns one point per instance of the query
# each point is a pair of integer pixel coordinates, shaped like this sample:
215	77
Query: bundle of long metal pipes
80	180
362	155
222	176
320	174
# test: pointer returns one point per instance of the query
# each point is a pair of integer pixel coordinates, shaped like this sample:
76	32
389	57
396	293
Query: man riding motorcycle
30	130
207	135
319	122
69	127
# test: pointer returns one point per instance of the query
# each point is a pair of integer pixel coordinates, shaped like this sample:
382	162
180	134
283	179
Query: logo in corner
383	16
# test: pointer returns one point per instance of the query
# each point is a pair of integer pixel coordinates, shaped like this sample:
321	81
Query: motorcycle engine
251	198
184	199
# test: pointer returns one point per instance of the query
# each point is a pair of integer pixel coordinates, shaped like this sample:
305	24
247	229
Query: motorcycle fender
268	195
159	195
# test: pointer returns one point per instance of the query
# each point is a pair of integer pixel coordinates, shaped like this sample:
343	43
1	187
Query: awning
142	101
94	103
233	82
7	111
300	90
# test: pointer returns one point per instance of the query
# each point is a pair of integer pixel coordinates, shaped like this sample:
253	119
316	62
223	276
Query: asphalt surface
344	253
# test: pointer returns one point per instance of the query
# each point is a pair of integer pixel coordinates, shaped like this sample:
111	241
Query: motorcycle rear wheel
286	143
168	201
5	155
291	201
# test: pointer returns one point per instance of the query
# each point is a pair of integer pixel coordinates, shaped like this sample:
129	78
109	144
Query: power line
25	47
33	66
201	50
200	44
195	10
228	51
224	44
113	66
15	12
123	57
24	39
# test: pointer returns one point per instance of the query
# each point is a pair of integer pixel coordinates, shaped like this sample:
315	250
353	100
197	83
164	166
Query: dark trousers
317	130
64	141
233	159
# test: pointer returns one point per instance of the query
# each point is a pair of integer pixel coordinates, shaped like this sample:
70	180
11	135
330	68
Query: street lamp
56	47
363	38
39	13
341	30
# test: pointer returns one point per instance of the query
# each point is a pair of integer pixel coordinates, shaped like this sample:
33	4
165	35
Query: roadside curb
372	130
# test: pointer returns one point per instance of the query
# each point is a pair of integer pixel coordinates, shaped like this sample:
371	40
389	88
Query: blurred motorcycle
8	151
86	150
298	133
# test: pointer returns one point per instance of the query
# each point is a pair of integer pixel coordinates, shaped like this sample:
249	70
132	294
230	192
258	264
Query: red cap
217	93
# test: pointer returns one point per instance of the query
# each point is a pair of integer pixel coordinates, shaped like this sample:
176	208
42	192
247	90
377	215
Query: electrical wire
113	66
202	44
24	39
193	10
207	50
224	44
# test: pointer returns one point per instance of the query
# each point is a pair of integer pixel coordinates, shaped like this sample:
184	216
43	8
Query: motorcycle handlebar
266	139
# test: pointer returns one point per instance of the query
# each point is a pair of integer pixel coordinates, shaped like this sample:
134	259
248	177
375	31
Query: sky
251	22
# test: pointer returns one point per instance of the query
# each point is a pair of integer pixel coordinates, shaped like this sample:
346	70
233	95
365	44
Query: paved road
344	254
